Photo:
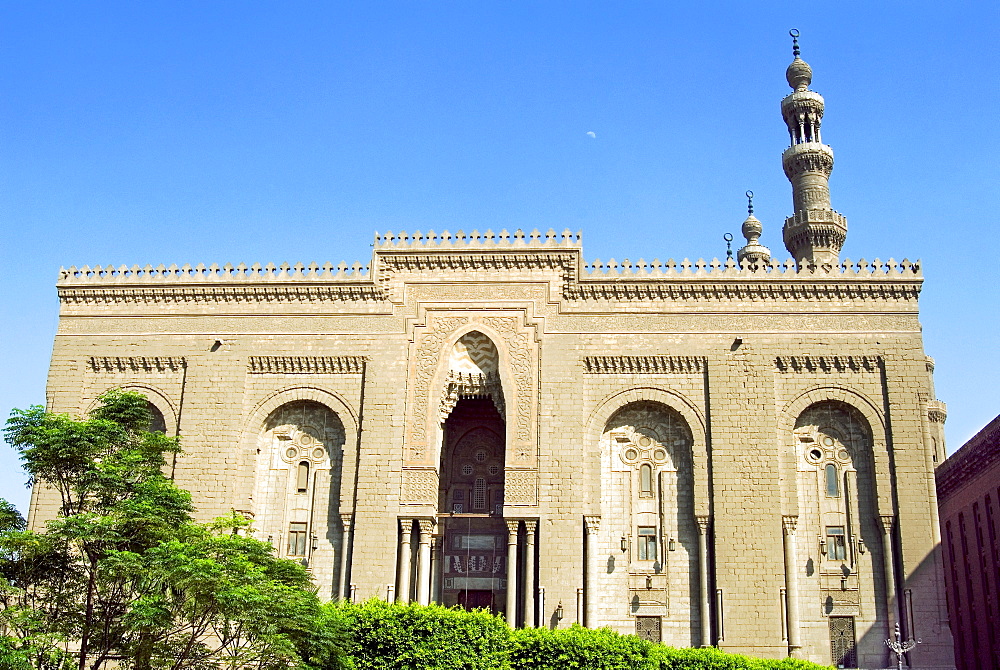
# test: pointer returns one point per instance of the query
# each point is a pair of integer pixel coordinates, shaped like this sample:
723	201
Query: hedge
394	636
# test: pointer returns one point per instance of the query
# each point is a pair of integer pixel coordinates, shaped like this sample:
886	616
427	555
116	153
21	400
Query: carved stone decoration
136	363
703	523
789	523
827	363
649	365
420	486
592	522
521	487
338	365
428	352
517	346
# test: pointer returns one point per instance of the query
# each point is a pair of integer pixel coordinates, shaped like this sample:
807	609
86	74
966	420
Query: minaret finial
794	32
750	203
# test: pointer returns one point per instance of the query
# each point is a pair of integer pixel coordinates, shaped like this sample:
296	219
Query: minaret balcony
806	148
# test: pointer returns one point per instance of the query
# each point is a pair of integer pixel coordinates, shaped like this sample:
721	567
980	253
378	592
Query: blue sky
162	132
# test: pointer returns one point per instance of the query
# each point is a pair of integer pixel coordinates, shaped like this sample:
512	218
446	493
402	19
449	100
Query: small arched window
302	477
832	481
645	481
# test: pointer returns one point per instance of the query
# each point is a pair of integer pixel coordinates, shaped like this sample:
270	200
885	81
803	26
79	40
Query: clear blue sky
161	132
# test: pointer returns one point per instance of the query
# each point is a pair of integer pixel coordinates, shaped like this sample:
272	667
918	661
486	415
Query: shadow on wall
926	621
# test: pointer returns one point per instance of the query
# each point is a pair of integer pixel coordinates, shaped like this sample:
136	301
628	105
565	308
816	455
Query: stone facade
968	486
736	454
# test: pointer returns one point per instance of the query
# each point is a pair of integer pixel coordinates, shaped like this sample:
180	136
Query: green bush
393	636
670	658
578	648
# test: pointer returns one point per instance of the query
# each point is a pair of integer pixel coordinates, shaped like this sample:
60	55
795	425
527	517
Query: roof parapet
477	240
200	274
746	268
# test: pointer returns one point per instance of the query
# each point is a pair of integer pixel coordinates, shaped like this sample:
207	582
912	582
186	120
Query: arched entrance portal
470	505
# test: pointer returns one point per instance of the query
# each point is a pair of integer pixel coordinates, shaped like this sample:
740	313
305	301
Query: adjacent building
734	453
968	485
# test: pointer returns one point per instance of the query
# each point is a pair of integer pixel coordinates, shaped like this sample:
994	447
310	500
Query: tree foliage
123	575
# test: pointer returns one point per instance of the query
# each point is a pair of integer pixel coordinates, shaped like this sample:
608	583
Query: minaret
815	232
754	252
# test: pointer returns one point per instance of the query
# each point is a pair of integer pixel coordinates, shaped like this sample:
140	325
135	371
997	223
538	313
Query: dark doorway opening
470	507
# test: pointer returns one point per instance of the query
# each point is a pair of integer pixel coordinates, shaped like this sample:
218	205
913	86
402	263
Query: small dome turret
754	252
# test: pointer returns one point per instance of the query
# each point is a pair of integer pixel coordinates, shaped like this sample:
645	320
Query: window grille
648	628
836	543
842	643
479	494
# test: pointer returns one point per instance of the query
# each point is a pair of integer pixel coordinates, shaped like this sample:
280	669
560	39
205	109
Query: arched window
302	477
645	481
832	481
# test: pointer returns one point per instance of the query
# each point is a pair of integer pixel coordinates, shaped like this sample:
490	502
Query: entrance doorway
470	507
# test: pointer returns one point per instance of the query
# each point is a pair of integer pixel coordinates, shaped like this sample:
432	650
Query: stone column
791	585
436	567
593	526
703	604
529	573
891	611
345	542
426	527
512	527
405	556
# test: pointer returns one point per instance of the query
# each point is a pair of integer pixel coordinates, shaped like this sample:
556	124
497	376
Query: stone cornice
118	364
648	365
342	365
827	363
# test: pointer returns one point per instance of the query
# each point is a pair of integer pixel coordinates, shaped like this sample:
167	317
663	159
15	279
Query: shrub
393	636
578	648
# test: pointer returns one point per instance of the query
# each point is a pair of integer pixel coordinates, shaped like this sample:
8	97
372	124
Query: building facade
968	485
736	454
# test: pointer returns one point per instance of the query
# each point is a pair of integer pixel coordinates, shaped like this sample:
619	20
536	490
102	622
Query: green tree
124	574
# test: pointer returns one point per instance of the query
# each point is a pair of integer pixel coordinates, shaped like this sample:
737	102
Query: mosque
737	453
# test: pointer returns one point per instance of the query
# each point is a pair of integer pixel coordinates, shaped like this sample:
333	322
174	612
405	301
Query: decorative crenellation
201	273
747	268
475	239
783	291
631	365
337	365
213	294
827	363
136	363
